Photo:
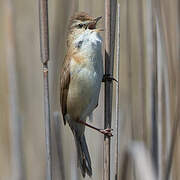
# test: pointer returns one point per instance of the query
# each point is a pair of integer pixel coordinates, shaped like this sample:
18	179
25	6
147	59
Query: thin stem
173	143
44	46
47	122
44	31
117	93
159	104
154	100
110	14
107	120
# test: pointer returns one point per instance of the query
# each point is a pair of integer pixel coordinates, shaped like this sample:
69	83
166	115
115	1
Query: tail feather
84	159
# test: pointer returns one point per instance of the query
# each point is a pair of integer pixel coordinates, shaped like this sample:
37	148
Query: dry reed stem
167	105
148	21
173	141
44	46
163	69
44	32
159	95
108	95
154	97
117	93
109	64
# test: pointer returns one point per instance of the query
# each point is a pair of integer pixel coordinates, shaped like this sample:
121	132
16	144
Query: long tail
84	159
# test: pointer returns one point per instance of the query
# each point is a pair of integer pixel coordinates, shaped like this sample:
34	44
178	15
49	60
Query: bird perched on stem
80	82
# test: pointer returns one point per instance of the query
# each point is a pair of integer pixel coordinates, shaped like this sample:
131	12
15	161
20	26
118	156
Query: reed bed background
146	144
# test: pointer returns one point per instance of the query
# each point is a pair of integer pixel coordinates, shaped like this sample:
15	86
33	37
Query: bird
80	81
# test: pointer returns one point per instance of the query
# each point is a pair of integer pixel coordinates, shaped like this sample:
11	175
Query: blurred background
149	90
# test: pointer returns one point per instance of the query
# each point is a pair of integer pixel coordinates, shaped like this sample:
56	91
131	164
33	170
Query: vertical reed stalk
44	47
167	104
176	125
154	99
109	63
149	65
159	104
108	90
117	93
168	114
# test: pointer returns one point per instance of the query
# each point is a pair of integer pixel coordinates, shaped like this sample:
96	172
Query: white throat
89	41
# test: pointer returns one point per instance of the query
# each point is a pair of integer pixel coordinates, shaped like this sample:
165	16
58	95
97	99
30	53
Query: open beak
98	29
97	19
92	25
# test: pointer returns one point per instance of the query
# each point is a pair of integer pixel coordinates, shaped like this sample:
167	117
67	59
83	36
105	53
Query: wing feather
64	86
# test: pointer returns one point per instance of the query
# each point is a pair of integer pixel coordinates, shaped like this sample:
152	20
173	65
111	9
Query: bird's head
80	23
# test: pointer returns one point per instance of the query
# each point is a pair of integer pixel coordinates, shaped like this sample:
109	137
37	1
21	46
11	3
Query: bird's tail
84	159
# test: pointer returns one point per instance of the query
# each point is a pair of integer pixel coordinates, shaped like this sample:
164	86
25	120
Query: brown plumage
65	81
64	86
81	16
79	91
65	73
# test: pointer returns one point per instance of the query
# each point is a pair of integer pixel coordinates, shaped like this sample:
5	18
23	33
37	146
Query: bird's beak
97	19
92	25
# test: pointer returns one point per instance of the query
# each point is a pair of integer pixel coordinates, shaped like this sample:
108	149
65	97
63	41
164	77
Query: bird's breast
84	87
85	77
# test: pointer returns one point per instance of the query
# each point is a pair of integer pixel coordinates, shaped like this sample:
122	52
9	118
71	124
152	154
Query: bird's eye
80	25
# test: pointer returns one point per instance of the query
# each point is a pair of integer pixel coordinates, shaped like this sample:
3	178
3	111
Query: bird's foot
107	132
108	77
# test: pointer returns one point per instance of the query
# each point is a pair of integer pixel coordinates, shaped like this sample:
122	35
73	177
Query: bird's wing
64	85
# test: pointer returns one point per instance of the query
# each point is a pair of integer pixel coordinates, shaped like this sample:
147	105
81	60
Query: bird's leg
106	132
108	77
